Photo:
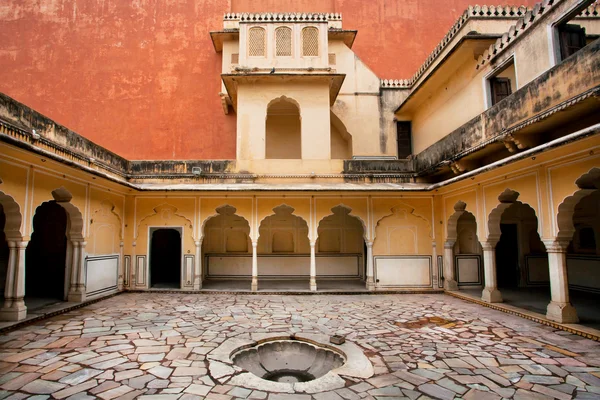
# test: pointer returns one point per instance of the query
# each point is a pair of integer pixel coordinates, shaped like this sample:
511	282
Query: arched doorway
283	137
340	251
284	251
227	250
165	258
579	226
521	260
46	257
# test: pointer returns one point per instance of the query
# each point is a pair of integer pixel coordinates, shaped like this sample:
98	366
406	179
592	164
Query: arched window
256	42
310	42
283	41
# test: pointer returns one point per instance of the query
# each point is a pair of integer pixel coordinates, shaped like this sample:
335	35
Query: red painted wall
142	79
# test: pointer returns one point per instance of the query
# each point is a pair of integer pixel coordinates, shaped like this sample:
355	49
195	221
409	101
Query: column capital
198	242
489	245
22	244
556	246
369	243
254	243
134	243
122	243
313	243
449	244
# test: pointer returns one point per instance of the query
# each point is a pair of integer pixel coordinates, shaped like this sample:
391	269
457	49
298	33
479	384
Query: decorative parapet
593	11
232	20
472	12
524	23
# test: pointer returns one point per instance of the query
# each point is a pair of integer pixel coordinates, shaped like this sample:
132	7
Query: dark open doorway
507	257
165	258
45	257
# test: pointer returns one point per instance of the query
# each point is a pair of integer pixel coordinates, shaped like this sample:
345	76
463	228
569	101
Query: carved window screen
310	42
256	42
283	41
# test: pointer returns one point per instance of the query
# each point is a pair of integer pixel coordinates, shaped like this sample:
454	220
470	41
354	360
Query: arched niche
283	136
281	227
340	232
226	232
403	232
105	230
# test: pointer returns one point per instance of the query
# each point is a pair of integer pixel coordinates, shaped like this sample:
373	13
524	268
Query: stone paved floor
422	346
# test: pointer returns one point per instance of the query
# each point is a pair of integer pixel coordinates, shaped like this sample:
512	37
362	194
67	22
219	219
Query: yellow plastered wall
105	222
165	212
404	226
455	97
313	102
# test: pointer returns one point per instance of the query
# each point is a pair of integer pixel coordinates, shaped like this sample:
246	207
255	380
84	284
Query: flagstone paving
155	346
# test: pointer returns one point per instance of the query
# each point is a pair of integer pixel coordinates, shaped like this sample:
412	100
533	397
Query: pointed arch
587	184
14	219
348	211
279	235
407	210
167	210
225	209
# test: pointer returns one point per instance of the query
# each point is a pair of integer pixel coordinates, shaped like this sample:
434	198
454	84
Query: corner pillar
450	283
560	308
14	308
198	266
370	267
490	293
254	285
313	266
77	289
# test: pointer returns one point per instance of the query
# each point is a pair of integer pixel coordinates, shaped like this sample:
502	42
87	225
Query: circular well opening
288	360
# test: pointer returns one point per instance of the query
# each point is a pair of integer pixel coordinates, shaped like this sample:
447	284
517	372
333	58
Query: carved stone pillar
370	267
560	308
254	285
198	266
121	265
313	266
490	293
14	305
77	289
449	269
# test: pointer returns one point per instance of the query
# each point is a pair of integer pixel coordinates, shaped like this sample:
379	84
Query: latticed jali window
310	42
256	42
283	41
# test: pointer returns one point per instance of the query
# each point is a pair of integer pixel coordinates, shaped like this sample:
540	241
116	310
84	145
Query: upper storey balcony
272	47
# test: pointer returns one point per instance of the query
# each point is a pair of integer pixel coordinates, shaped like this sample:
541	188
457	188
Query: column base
76	296
564	313
450	285
16	312
313	285
370	285
254	285
491	295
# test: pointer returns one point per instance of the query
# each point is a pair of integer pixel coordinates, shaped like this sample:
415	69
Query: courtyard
420	346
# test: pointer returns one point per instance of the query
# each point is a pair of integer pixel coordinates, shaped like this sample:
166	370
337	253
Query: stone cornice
473	12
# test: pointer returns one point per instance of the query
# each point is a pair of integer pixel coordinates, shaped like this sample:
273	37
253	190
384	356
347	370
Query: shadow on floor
288	285
537	299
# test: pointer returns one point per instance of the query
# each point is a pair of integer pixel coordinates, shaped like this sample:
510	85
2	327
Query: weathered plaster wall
122	70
